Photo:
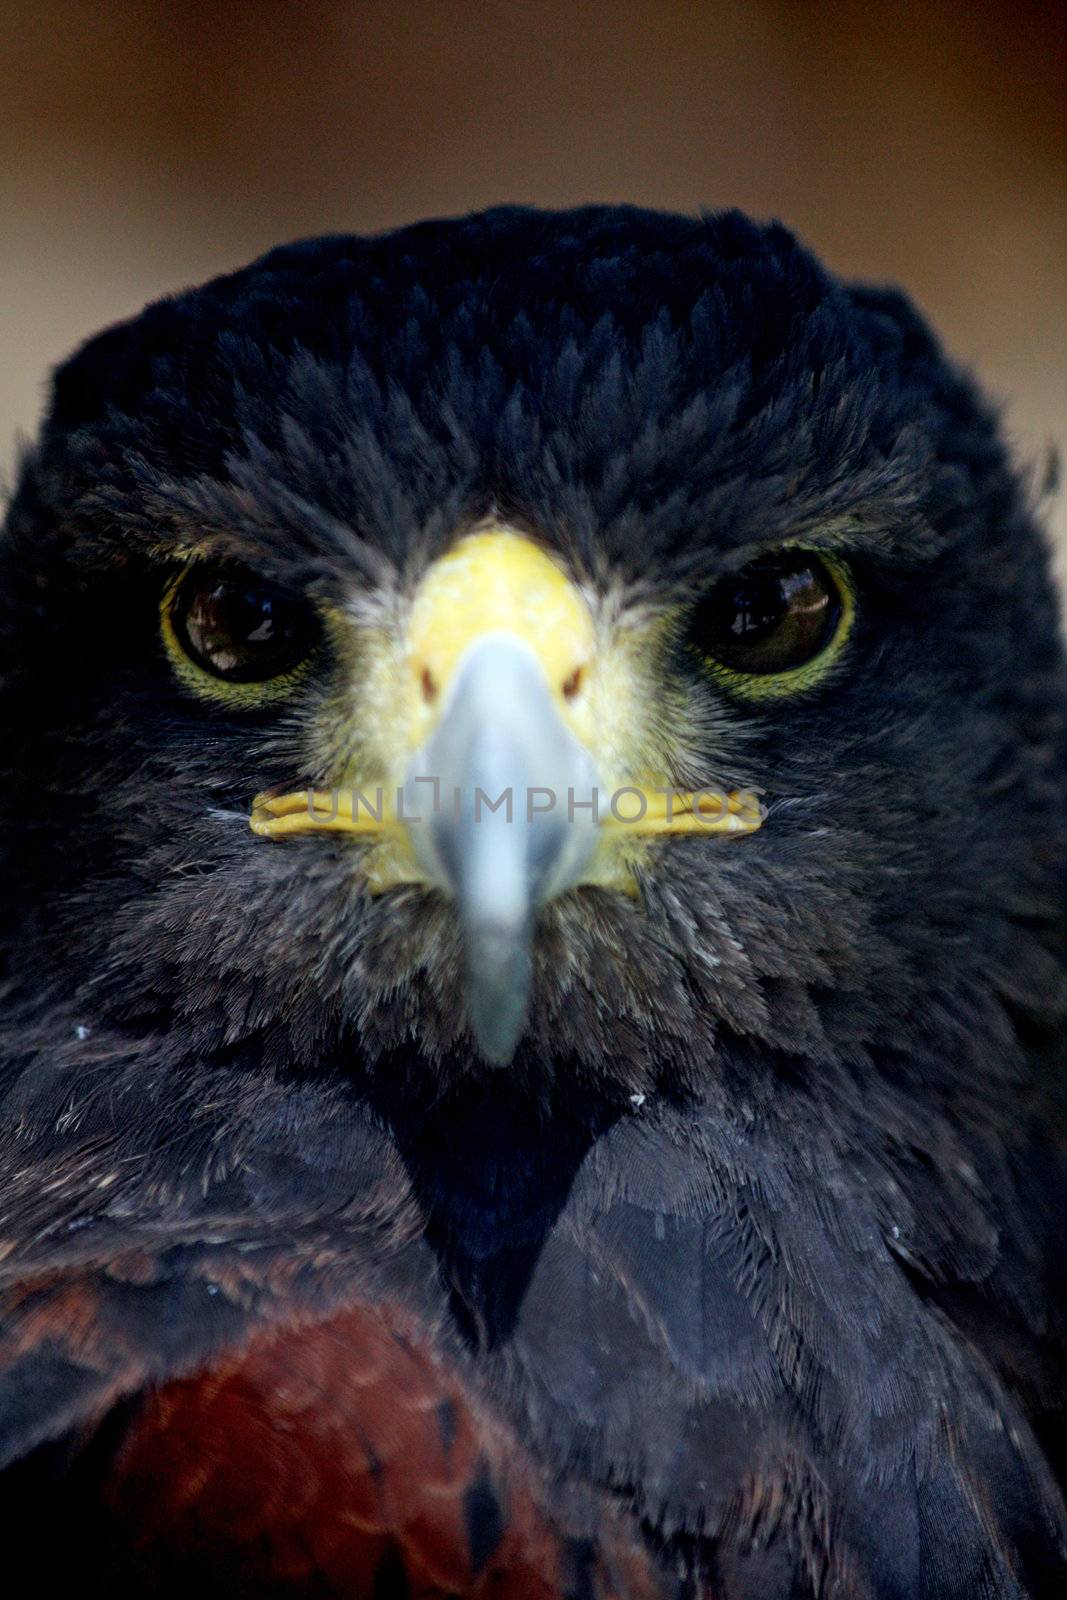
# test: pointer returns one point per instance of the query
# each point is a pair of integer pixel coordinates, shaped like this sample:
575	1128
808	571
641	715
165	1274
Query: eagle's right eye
237	629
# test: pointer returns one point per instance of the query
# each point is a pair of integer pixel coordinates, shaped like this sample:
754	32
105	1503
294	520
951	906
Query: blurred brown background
146	145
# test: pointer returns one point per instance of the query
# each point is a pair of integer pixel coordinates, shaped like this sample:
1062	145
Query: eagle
534	812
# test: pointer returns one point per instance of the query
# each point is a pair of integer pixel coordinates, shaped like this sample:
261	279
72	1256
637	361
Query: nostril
428	684
572	684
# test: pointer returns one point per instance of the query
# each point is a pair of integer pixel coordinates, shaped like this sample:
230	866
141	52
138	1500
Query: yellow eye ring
822	582
289	644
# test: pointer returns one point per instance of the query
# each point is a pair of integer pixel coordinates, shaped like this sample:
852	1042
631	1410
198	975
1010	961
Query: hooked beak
501	746
498	797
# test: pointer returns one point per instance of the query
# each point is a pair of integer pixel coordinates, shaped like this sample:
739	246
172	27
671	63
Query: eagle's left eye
777	624
236	629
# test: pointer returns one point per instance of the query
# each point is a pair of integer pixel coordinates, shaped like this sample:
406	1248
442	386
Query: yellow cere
495	582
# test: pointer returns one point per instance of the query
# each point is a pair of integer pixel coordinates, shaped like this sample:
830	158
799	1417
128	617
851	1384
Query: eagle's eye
777	623
233	634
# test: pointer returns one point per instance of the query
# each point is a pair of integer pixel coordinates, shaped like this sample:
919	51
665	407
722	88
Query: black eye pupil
240	630
758	608
774	615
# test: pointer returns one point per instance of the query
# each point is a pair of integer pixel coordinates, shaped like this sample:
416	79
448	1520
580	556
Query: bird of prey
534	807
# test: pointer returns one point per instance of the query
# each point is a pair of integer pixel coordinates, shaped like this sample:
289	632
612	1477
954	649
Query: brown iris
776	614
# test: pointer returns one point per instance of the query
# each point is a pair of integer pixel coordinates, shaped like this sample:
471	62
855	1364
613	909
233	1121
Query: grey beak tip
498	986
495	1052
496	1030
